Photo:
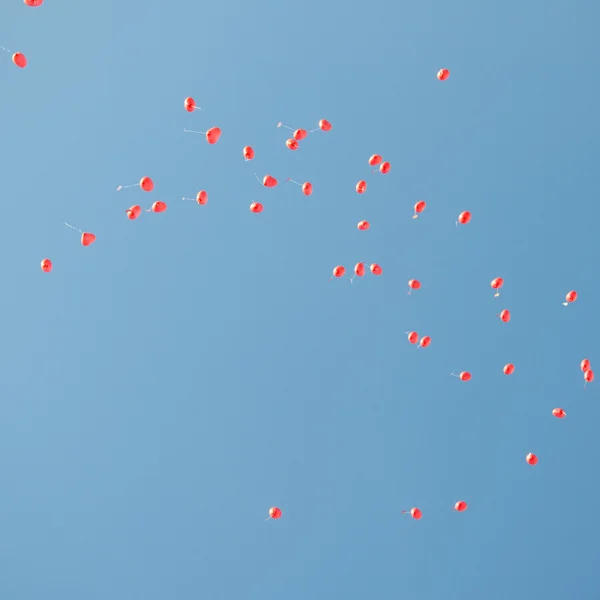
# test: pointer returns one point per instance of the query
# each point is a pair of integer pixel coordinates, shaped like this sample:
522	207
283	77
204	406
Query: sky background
163	388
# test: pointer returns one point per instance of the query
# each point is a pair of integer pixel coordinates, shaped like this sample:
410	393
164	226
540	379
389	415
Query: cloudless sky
163	388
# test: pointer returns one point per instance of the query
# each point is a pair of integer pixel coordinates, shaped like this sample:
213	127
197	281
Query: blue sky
163	388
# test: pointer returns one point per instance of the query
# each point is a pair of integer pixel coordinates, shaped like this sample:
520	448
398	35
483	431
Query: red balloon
46	265
300	134
425	341
339	271
307	188
415	513
189	104
588	376
248	152
134	212
87	239
256	207
33	2
363	225
413	337
497	283
274	512
505	316
269	181
19	60
324	125
464	217
376	269
385	167
509	369
465	376
443	74
146	184
359	269
571	296
292	144
420	206
159	207
532	459
559	413
375	160
213	135
361	187
585	365
202	197
460	506
414	284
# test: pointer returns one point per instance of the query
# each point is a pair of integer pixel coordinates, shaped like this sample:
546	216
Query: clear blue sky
164	387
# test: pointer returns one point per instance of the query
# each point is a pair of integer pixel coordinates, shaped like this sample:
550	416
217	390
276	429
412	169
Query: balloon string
192	131
293	181
75	228
257	179
282	125
5	49
312	130
124	187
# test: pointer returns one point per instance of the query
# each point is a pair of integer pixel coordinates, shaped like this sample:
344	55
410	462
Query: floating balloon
496	284
504	316
363	225
33	2
463	376
385	167
338	271
570	297
307	188
375	160
133	212
201	198
324	125
425	341
413	337
413	284
46	265
292	144
274	513
419	208
361	187
559	413
359	270
158	207
212	135
256	207
460	506
248	152
300	134
464	217
267	181
585	365
532	459
443	74
87	239
509	369
415	513
145	183
376	269
190	104
588	376
19	60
